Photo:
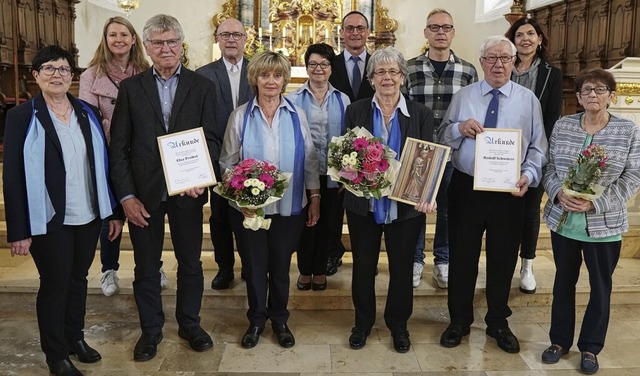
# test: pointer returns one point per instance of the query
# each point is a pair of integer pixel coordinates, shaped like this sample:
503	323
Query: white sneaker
417	273
527	279
164	280
441	275
110	282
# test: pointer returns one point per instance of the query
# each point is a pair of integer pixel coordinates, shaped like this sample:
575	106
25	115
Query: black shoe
319	286
303	285
251	336
453	335
333	263
147	346
222	279
358	338
84	352
588	363
506	340
63	367
401	342
553	354
198	339
284	335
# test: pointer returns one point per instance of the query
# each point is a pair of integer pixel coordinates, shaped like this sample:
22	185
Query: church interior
582	34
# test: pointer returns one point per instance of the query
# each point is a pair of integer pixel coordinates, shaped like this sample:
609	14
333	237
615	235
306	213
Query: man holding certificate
476	206
163	100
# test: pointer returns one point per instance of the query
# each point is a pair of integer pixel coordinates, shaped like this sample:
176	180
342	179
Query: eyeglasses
382	72
494	59
598	89
359	29
159	43
226	36
313	65
434	28
50	70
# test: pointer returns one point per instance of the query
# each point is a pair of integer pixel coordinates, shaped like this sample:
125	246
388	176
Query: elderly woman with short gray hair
392	117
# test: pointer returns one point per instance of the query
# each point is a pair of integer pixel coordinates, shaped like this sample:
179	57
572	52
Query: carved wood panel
28	45
6	33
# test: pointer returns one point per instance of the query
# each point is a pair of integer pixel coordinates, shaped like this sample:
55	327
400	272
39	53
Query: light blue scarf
292	153
335	118
39	202
384	210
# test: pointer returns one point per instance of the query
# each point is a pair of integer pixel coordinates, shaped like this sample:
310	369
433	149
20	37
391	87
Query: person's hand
115	228
426	207
523	186
470	128
21	247
313	214
574	204
135	212
193	192
248	213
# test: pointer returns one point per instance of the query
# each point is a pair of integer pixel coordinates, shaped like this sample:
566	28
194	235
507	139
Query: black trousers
400	240
601	260
63	259
221	233
186	236
316	241
471	214
531	226
266	256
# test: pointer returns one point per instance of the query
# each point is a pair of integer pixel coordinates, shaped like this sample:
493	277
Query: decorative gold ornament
128	5
628	100
383	21
628	88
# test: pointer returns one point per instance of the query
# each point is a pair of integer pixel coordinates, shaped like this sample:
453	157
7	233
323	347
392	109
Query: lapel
184	85
42	113
220	71
150	87
343	77
245	93
543	71
85	127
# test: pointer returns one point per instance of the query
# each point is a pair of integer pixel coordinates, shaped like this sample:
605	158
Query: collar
283	103
402	105
330	91
505	89
362	56
175	74
229	65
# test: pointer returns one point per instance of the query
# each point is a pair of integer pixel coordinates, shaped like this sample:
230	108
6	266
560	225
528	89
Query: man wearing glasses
495	102
434	77
229	82
167	98
349	76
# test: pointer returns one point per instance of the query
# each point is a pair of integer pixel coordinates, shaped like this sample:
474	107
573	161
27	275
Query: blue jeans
109	250
441	238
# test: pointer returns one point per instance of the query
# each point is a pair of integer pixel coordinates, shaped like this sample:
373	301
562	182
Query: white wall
195	17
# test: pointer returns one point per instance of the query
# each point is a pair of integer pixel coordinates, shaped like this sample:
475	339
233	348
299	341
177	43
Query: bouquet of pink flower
253	184
361	162
581	179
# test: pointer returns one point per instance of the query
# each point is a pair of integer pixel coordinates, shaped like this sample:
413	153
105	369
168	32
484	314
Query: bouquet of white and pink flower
253	184
362	163
581	180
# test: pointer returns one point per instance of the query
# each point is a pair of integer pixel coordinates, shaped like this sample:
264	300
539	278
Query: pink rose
369	166
373	154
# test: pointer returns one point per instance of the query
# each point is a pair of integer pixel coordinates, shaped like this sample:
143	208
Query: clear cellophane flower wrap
362	163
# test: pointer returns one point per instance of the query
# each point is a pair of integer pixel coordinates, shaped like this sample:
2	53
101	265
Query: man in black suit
349	75
167	98
229	76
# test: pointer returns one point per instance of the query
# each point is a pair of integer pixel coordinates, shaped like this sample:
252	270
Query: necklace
61	115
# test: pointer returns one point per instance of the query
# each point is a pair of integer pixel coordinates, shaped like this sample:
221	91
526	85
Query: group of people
99	160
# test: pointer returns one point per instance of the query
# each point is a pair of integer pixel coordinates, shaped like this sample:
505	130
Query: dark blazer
549	92
136	167
14	183
340	79
217	72
419	125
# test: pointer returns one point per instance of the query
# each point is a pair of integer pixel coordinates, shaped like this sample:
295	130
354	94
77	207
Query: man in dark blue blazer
165	99
229	81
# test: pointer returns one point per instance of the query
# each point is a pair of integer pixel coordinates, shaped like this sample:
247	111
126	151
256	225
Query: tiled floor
321	334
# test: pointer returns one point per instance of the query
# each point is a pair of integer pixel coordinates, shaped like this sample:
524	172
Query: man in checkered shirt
433	79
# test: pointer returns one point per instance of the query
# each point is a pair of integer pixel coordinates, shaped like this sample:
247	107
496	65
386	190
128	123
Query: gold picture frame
422	166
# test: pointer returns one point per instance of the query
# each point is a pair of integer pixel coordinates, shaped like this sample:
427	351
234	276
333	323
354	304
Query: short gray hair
495	40
162	23
386	55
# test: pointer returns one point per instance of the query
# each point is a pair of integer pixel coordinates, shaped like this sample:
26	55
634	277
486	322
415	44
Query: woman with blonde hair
118	56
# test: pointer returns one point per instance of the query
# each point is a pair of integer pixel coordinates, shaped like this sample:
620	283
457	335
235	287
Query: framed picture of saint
422	167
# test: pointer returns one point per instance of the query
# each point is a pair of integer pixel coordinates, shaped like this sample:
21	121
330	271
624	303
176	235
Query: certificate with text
186	161
497	164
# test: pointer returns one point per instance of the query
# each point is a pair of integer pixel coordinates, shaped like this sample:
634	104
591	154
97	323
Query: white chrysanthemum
354	154
255	191
353	161
247	183
261	186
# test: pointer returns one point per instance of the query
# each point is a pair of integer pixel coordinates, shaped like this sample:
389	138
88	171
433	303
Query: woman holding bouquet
593	228
271	128
393	118
324	107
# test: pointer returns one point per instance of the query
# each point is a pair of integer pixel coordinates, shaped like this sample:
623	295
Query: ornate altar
290	26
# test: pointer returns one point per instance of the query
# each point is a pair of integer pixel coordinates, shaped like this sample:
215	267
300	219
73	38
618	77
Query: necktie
356	76
234	68
491	120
